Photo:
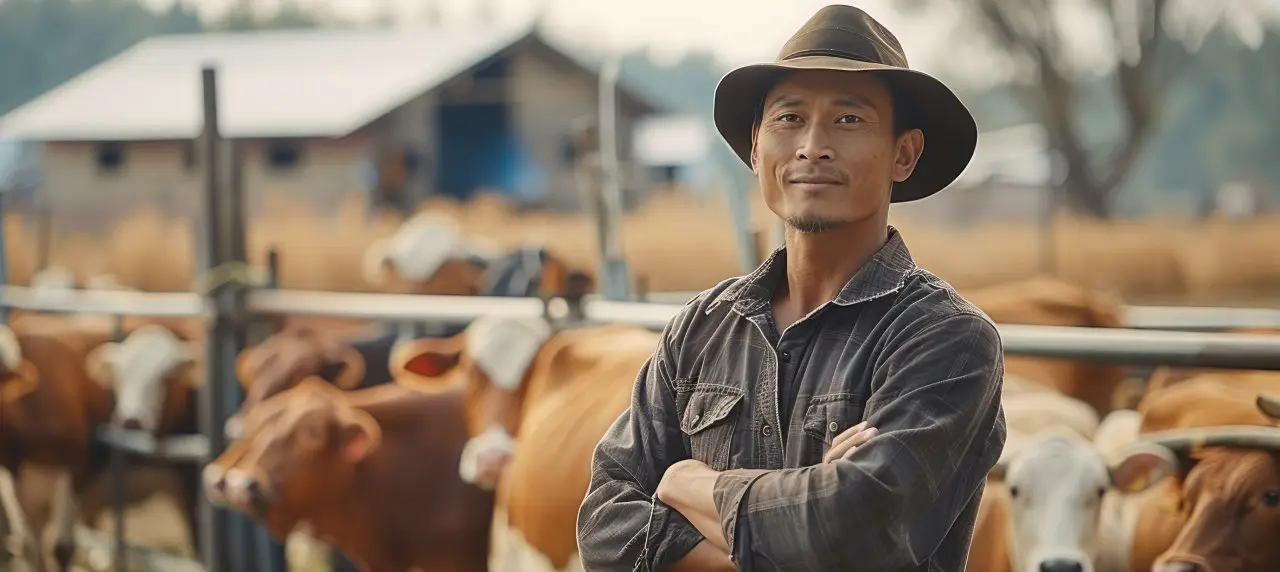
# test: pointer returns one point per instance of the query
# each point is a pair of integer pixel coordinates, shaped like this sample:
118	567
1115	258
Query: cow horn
1235	436
1269	405
10	350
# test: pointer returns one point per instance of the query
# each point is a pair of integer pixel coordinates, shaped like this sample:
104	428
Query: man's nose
815	146
1061	565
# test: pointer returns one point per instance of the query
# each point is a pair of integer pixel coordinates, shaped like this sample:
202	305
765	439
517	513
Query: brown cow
286	358
372	472
556	393
1051	302
47	411
1220	513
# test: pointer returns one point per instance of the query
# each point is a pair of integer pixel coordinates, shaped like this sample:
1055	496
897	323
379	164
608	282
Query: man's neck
819	264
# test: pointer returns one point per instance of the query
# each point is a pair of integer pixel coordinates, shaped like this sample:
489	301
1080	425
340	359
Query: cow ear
1144	465
359	434
345	365
426	361
98	363
20	382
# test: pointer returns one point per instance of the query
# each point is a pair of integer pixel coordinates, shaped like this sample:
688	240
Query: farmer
839	407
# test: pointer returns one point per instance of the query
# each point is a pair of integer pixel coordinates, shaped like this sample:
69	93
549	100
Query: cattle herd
470	450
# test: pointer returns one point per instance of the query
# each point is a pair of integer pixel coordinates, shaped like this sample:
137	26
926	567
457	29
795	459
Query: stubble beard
810	225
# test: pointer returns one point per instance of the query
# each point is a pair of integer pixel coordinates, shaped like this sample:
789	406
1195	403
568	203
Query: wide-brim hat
844	38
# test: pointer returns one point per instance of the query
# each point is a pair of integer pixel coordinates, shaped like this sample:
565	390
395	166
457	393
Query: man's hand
843	446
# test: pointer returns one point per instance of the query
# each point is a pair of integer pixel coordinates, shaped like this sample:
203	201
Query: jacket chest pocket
709	421
829	415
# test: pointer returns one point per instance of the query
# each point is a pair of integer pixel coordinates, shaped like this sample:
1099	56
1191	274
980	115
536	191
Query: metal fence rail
1109	345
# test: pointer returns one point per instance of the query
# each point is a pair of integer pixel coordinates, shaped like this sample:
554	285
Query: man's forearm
688	488
705	557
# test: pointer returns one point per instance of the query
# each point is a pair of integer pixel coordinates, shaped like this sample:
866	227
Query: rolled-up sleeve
621	525
936	403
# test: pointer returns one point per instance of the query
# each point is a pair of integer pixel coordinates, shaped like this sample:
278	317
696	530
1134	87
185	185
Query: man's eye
849	119
788	117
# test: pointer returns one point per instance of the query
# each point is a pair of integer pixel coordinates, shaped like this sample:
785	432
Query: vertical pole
4	260
214	550
615	282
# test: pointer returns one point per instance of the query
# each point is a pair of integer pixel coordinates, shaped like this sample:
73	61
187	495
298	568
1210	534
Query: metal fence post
215	551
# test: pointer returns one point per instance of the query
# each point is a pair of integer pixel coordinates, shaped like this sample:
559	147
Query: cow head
1229	497
426	255
299	450
285	359
18	376
490	360
1057	481
151	372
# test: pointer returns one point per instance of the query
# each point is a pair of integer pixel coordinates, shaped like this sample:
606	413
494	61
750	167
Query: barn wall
155	174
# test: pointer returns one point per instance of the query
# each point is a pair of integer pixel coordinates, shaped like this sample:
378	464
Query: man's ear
910	146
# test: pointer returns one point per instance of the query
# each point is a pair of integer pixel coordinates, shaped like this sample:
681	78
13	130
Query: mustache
812	175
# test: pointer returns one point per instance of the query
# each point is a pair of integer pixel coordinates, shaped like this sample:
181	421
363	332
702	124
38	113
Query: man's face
826	153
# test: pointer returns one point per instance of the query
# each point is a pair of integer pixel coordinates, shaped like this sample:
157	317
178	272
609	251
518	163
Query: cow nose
1061	565
233	429
215	484
132	423
1180	567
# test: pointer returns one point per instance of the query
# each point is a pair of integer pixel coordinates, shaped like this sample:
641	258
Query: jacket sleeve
889	506
621	525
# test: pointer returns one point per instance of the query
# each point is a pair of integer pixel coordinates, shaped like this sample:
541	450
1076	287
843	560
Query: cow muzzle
1180	566
1061	565
244	491
485	458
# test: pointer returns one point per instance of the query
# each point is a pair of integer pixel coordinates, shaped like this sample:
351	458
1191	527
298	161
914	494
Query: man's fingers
844	447
847	433
863	438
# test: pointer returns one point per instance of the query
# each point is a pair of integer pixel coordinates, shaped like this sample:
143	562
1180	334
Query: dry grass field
682	245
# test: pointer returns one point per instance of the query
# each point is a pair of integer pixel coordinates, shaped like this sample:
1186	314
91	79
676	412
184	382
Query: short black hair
903	107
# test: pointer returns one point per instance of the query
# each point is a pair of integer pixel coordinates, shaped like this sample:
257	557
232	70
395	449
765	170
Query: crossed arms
936	407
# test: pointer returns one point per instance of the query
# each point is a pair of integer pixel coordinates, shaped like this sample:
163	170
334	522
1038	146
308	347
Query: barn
400	114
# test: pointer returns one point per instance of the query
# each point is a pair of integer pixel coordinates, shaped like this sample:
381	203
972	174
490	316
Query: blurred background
1128	145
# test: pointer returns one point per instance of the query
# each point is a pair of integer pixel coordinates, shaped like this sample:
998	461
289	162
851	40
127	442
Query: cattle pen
230	299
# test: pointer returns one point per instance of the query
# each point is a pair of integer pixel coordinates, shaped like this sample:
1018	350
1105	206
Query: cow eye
1271	499
1013	492
1102	491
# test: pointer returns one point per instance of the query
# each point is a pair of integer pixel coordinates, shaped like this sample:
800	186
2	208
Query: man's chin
815	224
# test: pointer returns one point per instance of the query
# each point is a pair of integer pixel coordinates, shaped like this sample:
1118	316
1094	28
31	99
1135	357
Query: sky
746	31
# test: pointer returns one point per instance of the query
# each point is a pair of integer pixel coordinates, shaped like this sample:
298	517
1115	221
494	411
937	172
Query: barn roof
294	83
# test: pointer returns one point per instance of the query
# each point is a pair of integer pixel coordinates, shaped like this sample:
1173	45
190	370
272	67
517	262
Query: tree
1035	36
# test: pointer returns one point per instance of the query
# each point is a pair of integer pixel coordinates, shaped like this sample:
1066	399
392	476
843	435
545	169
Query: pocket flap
829	415
706	408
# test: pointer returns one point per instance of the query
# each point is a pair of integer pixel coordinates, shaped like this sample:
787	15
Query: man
839	407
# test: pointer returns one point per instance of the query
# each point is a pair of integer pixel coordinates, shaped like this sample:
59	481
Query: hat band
830	52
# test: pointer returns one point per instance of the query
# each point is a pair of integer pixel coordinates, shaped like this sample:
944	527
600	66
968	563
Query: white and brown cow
538	401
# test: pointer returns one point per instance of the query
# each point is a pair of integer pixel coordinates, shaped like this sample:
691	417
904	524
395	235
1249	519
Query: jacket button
696	417
832	427
785	357
767	430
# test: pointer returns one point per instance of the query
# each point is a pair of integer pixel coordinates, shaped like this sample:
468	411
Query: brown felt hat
845	38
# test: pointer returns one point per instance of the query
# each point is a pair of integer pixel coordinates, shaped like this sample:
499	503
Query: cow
48	407
1051	302
1040	508
286	358
428	255
371	471
1220	511
538	401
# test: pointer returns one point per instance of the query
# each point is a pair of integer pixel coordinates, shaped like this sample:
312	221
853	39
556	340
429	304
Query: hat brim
950	132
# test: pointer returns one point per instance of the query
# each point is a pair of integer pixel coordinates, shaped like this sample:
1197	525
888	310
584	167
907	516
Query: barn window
284	155
110	156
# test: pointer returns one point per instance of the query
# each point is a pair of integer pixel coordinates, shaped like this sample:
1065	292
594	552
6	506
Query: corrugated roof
314	83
